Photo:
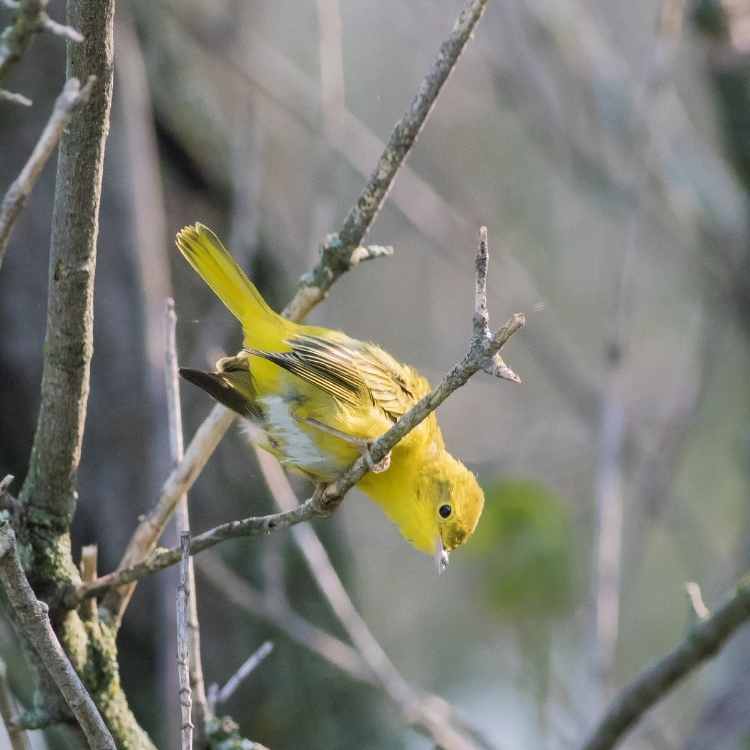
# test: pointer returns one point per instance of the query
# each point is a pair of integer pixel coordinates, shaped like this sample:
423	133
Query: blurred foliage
525	548
525	542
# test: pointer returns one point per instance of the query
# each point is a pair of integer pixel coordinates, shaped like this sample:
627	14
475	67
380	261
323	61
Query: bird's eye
445	511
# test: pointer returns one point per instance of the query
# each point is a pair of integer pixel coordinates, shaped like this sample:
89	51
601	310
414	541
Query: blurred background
606	146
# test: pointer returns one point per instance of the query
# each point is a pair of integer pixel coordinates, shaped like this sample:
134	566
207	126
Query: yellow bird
322	397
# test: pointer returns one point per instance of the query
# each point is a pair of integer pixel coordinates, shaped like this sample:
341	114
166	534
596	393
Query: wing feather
350	370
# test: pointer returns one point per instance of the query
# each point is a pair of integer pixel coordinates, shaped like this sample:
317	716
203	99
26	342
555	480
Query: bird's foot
375	467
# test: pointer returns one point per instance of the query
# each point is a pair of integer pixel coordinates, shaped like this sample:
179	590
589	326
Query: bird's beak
441	556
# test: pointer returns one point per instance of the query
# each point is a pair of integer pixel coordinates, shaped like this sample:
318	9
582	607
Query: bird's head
456	501
441	510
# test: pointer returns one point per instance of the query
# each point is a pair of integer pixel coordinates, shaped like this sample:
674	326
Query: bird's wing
350	370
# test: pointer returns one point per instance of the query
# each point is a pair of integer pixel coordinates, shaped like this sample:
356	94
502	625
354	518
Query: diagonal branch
181	479
222	695
15	97
704	641
31	18
71	98
33	621
419	710
326	499
274	610
339	253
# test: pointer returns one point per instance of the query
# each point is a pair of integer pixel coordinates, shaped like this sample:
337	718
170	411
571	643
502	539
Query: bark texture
49	495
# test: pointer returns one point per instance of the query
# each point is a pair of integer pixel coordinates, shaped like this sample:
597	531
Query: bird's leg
362	445
238	362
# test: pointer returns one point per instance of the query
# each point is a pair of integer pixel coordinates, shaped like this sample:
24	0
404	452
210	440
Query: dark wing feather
223	387
349	370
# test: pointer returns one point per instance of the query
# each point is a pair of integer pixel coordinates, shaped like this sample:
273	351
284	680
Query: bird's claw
379	467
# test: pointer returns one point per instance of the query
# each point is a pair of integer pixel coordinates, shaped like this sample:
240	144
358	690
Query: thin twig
183	646
698	609
653	684
15	97
337	251
149	529
31	18
182	517
31	616
325	500
336	259
275	610
49	491
49	494
326	579
246	669
67	103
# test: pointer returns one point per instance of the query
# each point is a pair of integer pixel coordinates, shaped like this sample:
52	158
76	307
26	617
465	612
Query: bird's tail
205	252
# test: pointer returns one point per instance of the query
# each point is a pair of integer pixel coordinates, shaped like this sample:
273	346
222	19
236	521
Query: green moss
90	644
45	554
525	545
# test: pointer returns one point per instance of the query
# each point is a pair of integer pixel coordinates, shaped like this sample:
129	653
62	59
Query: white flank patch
299	447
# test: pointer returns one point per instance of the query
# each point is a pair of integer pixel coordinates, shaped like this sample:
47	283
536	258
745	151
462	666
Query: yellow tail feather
212	261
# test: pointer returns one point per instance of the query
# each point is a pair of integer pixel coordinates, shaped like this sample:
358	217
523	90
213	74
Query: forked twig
71	98
30	19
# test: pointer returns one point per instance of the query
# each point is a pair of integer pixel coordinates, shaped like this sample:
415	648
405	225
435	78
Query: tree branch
703	642
222	695
31	616
483	349
31	18
195	663
337	256
337	250
148	531
275	610
15	97
183	646
67	103
49	491
49	496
